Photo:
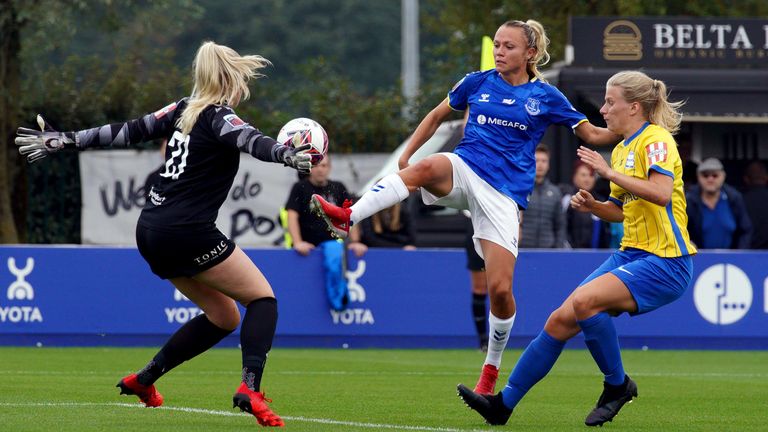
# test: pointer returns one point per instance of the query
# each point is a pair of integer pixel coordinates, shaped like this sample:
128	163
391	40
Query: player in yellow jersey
652	268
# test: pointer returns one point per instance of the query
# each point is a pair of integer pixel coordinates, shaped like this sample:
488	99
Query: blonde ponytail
651	94
221	78
537	39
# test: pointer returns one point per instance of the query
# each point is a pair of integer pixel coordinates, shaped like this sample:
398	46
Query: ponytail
537	39
221	78
651	94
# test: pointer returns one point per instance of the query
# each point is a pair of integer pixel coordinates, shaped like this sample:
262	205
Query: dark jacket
583	229
756	201
743	234
405	236
544	219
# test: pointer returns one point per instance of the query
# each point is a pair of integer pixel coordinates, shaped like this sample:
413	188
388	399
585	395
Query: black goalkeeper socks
195	337
256	334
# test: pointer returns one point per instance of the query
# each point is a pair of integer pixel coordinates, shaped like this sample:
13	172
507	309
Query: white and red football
311	133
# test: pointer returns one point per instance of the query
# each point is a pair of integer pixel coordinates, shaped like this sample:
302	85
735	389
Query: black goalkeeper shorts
173	254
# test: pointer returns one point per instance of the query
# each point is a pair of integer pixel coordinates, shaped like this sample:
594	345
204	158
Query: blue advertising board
73	295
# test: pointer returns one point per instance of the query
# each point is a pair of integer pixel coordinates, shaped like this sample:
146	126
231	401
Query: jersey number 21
175	165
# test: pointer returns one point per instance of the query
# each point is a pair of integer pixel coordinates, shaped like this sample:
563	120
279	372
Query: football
311	133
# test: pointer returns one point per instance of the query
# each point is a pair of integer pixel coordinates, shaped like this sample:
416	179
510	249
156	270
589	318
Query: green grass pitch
73	389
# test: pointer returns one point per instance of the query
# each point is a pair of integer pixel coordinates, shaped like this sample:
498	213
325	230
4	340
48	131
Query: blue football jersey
505	125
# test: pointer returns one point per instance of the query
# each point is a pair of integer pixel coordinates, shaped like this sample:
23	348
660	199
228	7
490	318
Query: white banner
113	194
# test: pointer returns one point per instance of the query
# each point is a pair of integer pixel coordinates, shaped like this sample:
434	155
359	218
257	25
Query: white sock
387	192
498	335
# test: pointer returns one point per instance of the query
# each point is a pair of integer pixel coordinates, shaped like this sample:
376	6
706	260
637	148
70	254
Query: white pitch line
235	414
376	373
235	373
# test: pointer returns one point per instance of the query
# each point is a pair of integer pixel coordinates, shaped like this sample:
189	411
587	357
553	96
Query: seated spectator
309	231
756	200
717	216
389	228
584	230
543	225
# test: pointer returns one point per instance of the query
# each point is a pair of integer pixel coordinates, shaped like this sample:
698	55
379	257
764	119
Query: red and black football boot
255	403
148	395
336	217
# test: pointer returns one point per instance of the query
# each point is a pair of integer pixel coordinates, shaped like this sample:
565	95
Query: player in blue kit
491	172
652	268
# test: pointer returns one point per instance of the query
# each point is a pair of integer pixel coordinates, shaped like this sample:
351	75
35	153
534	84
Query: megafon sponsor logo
20	290
482	120
354	314
722	294
181	314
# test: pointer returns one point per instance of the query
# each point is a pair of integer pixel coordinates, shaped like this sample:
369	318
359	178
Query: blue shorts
652	280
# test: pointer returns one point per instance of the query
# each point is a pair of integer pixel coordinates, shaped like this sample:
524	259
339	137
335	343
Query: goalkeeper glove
296	158
36	145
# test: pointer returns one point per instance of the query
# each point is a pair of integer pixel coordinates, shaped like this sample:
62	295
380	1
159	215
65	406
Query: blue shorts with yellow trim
653	281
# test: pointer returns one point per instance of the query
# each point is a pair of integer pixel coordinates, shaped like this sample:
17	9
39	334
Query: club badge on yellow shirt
630	164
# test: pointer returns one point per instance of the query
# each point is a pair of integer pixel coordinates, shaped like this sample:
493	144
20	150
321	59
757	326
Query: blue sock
533	365
601	339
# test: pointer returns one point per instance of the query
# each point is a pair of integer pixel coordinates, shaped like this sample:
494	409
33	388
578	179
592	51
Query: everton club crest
533	106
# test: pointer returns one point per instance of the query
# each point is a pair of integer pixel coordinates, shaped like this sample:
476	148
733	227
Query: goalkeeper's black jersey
199	168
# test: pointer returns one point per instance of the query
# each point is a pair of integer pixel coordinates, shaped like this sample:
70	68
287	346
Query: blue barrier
107	296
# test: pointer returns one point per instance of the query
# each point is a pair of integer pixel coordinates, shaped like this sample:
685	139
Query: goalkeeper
176	232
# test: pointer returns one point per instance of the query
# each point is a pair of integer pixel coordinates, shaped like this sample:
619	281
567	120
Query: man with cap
717	216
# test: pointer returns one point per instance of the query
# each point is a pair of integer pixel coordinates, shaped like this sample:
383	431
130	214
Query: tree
126	75
10	72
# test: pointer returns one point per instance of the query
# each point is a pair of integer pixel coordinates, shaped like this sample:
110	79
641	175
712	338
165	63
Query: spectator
756	200
584	230
543	225
684	147
308	231
389	228
717	217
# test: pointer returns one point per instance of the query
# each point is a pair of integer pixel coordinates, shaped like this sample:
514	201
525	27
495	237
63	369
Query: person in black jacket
543	223
389	228
308	232
717	216
176	232
584	230
756	201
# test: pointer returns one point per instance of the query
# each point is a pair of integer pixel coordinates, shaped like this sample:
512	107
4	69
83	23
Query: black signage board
670	42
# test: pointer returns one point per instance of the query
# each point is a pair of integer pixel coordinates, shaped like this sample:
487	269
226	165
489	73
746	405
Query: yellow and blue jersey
505	125
659	230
